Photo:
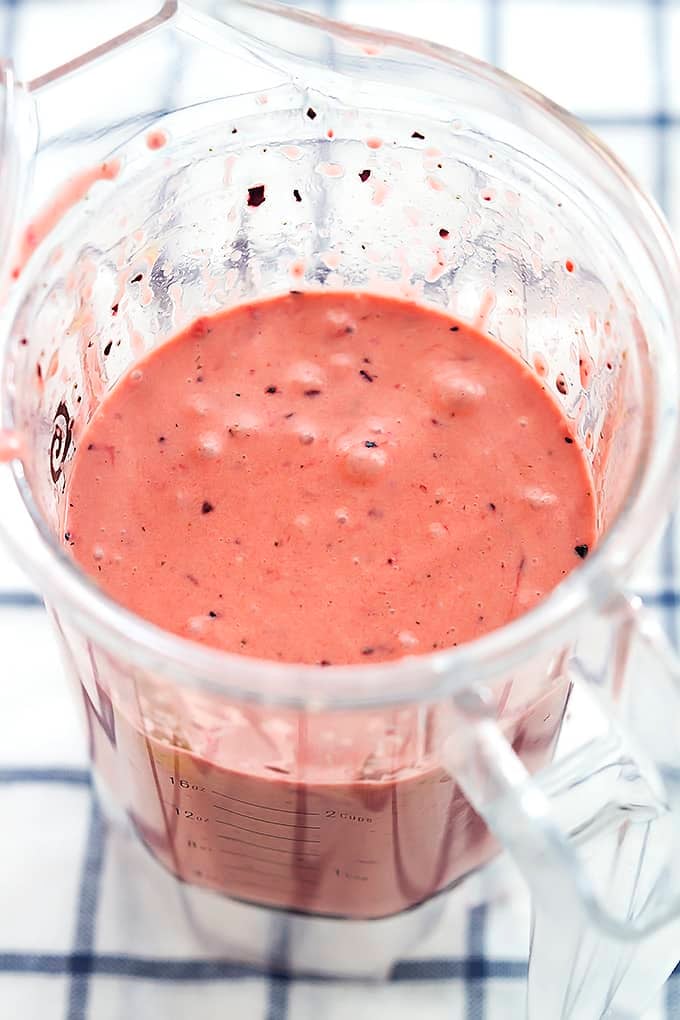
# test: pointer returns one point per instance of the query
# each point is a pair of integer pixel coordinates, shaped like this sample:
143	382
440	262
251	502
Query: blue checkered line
475	969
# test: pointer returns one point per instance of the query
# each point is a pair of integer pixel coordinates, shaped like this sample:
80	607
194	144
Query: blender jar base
200	923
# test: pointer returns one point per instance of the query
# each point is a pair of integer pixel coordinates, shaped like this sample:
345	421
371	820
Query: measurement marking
268	835
247	880
274	849
261	885
267	860
272	874
267	821
265	807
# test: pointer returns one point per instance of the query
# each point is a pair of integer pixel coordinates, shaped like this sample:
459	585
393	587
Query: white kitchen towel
63	953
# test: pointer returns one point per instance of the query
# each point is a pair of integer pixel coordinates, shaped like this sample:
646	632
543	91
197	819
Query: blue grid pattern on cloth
65	964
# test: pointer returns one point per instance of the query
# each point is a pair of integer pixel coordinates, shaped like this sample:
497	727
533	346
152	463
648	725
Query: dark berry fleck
296	195
581	550
23	341
311	113
366	375
324	662
107	349
271	389
364	175
568	439
67	536
443	232
295	292
312	393
492	506
367	651
161	439
234	130
206	507
370	444
256	195
454	329
417	134
137	278
212	614
561	384
114	309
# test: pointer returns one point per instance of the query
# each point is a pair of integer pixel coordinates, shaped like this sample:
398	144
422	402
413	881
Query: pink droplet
156	139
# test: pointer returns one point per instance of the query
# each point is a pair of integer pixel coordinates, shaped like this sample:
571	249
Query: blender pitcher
353	798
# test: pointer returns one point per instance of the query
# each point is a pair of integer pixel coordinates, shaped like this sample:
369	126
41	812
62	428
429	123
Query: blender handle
579	831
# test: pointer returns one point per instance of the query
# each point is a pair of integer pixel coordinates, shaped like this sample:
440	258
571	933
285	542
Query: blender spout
17	147
162	16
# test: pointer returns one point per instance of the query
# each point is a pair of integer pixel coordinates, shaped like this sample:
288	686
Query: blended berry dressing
326	478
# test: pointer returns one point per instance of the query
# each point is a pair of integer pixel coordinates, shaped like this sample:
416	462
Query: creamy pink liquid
322	478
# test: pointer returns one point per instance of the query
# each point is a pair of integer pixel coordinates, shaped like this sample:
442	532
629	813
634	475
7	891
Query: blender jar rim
414	678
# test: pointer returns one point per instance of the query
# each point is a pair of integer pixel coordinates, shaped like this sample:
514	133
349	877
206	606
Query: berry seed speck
364	175
417	134
271	389
581	550
311	113
256	196
206	507
296	195
443	232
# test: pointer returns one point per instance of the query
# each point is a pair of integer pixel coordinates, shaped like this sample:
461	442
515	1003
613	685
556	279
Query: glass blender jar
353	799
